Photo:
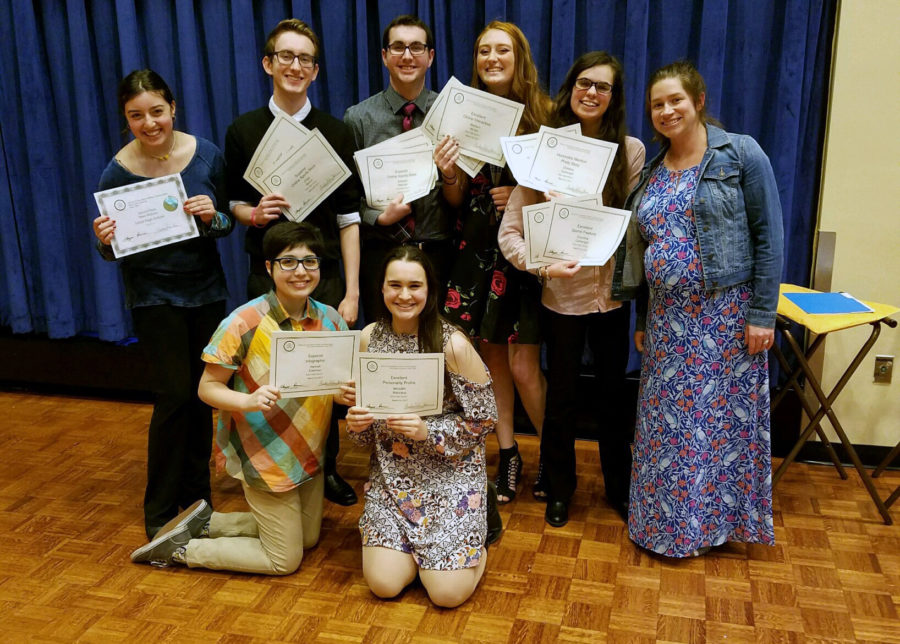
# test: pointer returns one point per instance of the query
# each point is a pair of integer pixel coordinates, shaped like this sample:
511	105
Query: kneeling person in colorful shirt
273	445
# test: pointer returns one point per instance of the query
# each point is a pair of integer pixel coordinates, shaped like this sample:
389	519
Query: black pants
179	440
330	291
607	336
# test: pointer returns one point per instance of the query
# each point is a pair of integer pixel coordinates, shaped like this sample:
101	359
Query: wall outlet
884	366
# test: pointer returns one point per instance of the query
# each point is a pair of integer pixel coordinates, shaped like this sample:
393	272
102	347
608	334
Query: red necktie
408	109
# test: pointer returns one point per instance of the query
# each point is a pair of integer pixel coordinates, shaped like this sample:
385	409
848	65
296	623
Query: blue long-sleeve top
187	273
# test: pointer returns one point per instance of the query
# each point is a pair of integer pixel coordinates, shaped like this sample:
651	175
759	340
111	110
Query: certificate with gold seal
148	214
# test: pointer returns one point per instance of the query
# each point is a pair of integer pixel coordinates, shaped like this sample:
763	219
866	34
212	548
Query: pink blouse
588	291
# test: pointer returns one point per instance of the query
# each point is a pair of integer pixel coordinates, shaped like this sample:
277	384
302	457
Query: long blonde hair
525	88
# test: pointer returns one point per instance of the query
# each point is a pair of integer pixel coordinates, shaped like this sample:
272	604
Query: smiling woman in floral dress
426	512
493	302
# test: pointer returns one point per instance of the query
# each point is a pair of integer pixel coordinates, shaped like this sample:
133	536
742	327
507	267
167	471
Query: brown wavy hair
525	88
612	127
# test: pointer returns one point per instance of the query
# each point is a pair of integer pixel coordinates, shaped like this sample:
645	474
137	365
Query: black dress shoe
337	490
494	520
557	513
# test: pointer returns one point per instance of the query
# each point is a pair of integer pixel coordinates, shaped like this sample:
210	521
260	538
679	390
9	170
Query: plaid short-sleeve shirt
281	448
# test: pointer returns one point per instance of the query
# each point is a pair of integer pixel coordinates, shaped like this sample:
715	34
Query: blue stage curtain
765	62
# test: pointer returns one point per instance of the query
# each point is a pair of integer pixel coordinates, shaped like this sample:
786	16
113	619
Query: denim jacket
739	226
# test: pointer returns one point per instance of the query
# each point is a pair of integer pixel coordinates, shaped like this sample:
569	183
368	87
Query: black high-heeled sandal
509	471
539	491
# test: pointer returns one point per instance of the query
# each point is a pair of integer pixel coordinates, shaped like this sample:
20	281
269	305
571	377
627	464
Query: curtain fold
765	64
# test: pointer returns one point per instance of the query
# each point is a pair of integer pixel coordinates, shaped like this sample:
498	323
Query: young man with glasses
407	51
273	445
291	58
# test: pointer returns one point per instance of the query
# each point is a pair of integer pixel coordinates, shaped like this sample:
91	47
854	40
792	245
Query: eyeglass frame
301	261
277	56
406	46
595	84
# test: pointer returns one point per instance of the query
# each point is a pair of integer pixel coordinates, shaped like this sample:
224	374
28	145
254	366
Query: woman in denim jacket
706	241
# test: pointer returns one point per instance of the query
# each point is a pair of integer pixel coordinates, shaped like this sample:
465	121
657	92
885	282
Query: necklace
164	157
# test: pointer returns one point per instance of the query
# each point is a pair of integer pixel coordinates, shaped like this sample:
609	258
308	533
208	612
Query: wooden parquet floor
71	485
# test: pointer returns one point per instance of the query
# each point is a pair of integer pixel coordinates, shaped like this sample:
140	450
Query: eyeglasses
584	84
286	57
415	48
310	263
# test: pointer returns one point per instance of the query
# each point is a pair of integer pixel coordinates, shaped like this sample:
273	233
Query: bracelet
449	183
253	219
544	275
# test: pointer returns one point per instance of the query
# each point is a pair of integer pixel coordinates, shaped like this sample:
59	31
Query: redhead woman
176	293
577	301
493	302
710	237
426	513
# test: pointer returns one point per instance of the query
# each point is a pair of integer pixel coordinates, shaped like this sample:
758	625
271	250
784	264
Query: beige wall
861	204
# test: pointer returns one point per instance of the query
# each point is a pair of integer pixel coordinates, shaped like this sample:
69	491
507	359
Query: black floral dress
427	498
487	297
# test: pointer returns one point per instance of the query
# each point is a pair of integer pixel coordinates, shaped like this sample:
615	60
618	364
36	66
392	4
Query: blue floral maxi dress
702	470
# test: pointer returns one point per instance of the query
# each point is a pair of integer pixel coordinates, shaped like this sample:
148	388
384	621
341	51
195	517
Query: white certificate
306	177
477	119
536	227
469	165
312	363
400	383
588	234
282	138
570	164
403	164
519	151
388	175
148	214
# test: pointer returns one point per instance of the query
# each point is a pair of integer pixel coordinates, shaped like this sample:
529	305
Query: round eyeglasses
310	263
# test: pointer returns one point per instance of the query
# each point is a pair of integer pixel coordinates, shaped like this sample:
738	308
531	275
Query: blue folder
827	303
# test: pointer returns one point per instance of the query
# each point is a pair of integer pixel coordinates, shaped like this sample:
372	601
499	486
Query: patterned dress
487	297
427	497
702	459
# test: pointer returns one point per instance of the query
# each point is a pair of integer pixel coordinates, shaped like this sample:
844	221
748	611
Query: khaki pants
267	540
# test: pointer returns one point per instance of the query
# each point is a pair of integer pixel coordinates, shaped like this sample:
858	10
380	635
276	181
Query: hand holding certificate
298	163
312	363
477	119
390	384
400	165
148	214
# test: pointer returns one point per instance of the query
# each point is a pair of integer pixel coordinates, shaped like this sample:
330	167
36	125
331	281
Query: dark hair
612	127
298	27
140	81
525	86
430	339
407	20
693	84
287	234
